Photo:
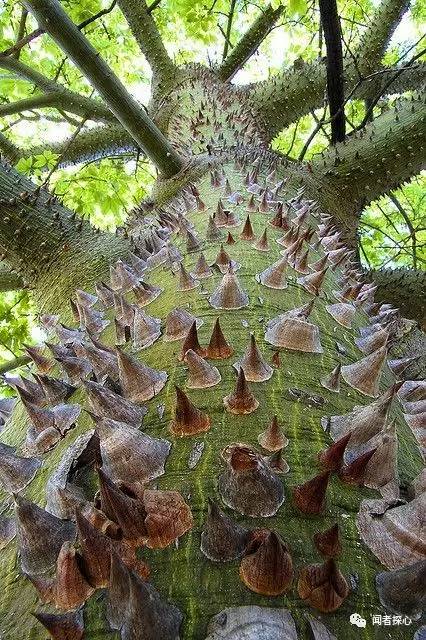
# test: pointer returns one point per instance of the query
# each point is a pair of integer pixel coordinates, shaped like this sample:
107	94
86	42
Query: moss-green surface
183	575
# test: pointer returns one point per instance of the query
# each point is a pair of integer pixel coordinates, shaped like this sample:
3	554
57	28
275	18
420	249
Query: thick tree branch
53	19
146	33
335	87
404	288
66	99
249	43
8	150
45	244
389	151
375	40
92	144
11	365
35	102
293	93
9	280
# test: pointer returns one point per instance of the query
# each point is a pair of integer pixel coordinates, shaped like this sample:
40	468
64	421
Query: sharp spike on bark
222	539
92	321
402	591
138	381
188	420
273	439
191	342
262	243
399	365
332	380
381	471
251	205
342	312
332	457
241	401
223	260
102	360
85	298
146	610
16	472
372	342
310	496
301	263
201	373
247	232
248	485
71	588
364	375
328	542
267	567
230	238
54	389
125	511
320	264
118	592
364	422
106	403
192	242
96	551
43	364
168	517
202	269
65	626
277	220
274	276
293	333
75	368
395	534
229	294
179	323
145	329
323	586
186	281
218	348
313	281
213	232
105	295
256	369
40	536
277	463
130	456
146	293
354	472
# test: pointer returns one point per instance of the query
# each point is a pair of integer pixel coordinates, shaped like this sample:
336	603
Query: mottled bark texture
57	253
405	288
9	279
48	248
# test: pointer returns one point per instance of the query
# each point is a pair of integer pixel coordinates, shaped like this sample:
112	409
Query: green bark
9	280
182	575
46	245
378	158
249	43
404	288
145	32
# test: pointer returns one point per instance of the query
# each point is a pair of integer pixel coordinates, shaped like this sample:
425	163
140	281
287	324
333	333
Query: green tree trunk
181	573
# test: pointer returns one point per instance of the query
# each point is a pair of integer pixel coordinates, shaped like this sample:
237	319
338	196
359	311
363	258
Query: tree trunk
78	258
